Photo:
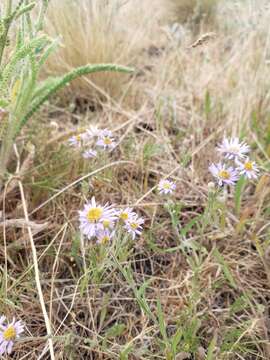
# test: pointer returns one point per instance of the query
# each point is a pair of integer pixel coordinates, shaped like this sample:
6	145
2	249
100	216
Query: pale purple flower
8	334
92	218
225	175
104	237
108	223
2	319
166	187
233	148
93	131
105	139
89	154
126	214
134	226
248	168
78	140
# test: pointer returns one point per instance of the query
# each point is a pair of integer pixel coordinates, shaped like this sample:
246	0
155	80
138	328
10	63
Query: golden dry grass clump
94	32
197	12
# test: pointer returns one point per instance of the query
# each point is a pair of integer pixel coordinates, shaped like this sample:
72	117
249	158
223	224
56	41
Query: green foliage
21	91
239	188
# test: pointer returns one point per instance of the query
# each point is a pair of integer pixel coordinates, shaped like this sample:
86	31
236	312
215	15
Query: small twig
20	172
35	261
87	290
36	269
22	223
203	39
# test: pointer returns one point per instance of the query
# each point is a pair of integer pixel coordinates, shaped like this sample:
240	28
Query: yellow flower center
134	226
94	214
124	216
107	140
166	186
9	333
78	137
105	239
224	174
106	223
248	166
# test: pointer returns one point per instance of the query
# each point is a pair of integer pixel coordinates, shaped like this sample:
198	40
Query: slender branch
36	269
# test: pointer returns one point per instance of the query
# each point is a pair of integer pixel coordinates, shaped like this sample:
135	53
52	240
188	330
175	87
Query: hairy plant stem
3	38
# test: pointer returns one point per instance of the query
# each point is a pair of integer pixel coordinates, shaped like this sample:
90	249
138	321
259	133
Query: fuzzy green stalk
16	121
65	80
7	22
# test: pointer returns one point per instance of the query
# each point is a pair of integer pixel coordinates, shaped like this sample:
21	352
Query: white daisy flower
77	140
233	149
225	175
92	217
134	227
9	334
93	131
126	214
105	237
106	140
248	168
109	223
166	187
89	154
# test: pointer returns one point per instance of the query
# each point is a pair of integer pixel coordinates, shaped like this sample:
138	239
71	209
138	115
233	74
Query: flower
89	154
2	319
134	227
93	131
248	168
77	140
166	187
93	216
104	237
226	175
109	223
105	139
233	149
126	214
8	334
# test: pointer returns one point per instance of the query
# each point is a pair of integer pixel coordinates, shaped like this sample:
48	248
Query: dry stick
54	269
116	163
36	269
5	239
87	290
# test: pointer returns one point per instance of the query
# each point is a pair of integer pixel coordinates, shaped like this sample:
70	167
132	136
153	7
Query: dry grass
204	288
200	13
96	32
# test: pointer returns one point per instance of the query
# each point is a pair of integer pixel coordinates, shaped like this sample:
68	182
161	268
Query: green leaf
225	269
65	80
210	353
115	330
25	9
161	321
207	103
239	188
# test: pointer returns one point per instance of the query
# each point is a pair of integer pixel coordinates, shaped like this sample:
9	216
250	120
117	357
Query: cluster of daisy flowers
100	222
9	333
93	140
235	163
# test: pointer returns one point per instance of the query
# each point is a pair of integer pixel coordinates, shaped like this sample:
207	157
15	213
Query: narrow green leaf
239	188
225	269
